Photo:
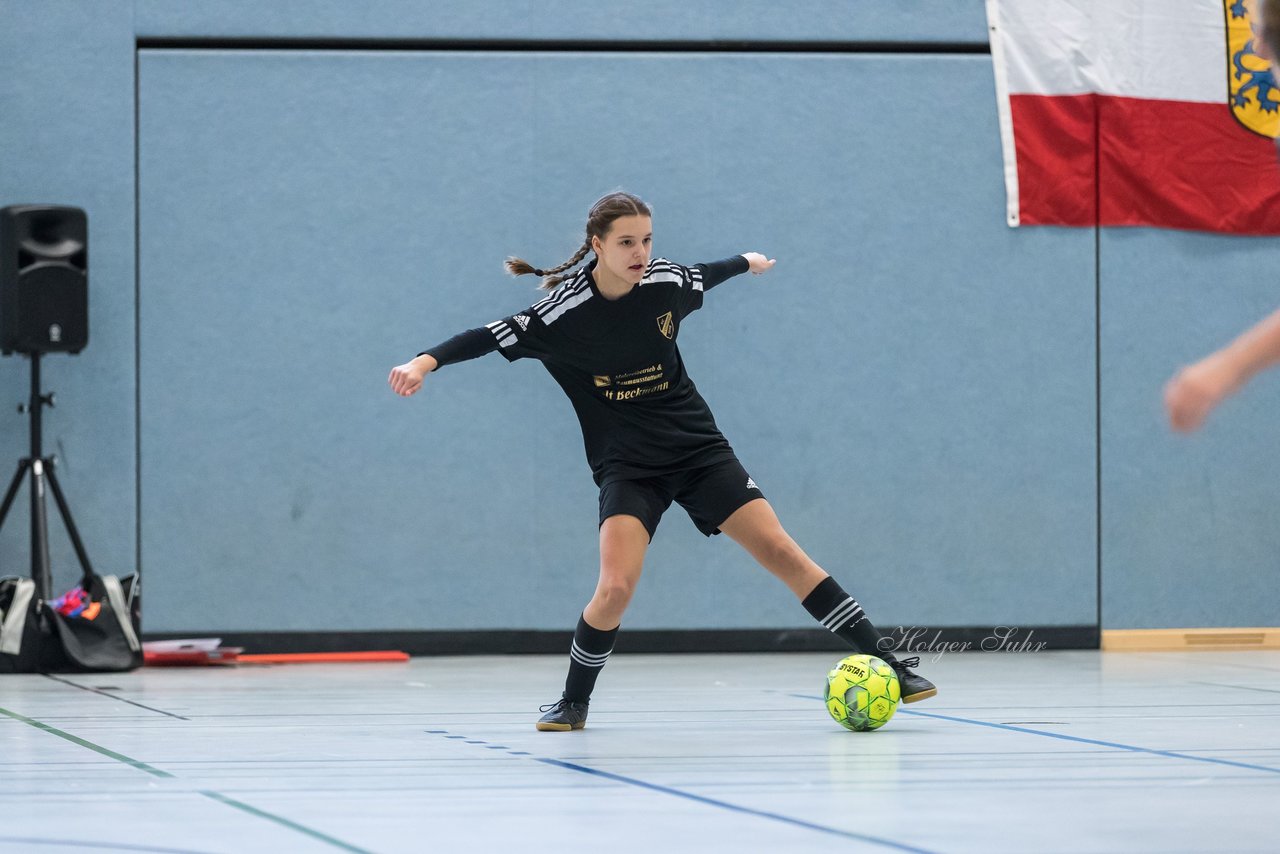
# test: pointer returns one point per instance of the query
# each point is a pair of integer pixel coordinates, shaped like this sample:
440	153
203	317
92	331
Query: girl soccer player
607	335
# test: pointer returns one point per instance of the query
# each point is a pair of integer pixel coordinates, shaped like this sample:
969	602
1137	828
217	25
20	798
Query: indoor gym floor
1020	752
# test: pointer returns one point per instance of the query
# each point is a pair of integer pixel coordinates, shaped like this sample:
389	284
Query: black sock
841	613
587	655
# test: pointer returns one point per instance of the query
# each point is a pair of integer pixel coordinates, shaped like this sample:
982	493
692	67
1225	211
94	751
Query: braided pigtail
599	221
550	278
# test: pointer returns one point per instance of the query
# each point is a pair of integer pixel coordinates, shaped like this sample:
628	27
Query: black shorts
709	495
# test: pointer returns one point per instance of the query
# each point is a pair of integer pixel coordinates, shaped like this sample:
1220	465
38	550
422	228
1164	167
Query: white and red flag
1136	112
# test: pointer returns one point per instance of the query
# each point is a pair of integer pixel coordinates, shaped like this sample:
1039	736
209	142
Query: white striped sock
587	659
847	612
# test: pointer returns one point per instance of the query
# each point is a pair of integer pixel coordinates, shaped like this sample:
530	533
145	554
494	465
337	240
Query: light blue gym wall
1190	533
66	137
311	219
913	386
661	20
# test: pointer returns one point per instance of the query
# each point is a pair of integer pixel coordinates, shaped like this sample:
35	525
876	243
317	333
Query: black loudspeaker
44	279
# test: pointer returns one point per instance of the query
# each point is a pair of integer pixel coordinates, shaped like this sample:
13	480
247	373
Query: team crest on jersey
523	321
667	325
1251	81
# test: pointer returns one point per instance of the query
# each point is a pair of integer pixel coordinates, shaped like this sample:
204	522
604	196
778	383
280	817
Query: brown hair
599	220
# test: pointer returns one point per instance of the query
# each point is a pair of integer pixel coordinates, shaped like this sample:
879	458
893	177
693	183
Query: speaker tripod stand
40	468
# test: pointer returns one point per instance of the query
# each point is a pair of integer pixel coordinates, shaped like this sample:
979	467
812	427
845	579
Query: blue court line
1132	748
666	790
631	781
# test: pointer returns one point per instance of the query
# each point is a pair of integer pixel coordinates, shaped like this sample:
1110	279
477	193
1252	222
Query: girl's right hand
406	379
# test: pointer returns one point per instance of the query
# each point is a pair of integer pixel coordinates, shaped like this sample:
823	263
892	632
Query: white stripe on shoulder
661	264
574	286
663	271
577	299
550	298
502	332
661	277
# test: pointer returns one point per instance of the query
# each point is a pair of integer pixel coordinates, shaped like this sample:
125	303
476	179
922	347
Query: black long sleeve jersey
618	362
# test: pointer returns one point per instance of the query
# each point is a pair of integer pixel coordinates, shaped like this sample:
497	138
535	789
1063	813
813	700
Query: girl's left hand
757	262
1197	389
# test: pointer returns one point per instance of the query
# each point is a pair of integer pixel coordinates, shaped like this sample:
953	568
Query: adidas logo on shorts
751	484
522	320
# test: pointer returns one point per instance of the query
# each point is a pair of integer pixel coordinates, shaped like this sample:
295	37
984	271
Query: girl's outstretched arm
720	271
407	378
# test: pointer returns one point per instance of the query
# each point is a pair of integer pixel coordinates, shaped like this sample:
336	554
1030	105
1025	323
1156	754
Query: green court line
119	757
220	798
232	802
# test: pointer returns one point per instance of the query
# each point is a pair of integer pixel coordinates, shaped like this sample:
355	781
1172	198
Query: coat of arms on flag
1251	82
1142	112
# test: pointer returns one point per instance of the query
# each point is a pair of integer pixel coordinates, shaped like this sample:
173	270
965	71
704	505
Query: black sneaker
562	716
914	686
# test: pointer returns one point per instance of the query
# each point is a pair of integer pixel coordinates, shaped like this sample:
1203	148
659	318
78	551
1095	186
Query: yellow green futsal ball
862	693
